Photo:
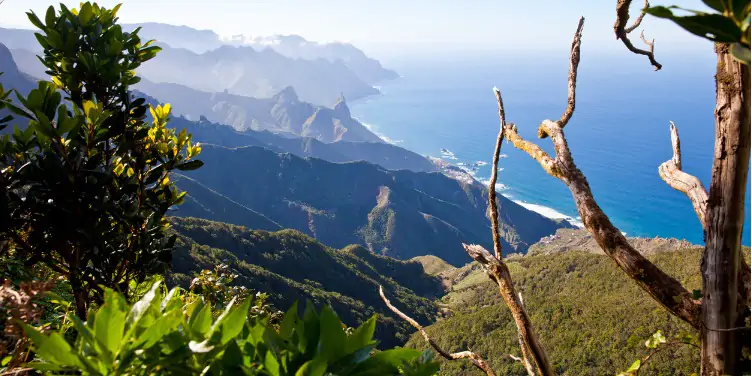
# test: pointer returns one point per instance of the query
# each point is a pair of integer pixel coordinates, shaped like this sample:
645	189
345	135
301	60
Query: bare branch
494	174
620	28
662	287
638	21
499	273
574	62
526	358
671	172
545	160
650	44
476	359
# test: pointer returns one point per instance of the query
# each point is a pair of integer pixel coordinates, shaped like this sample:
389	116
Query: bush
169	333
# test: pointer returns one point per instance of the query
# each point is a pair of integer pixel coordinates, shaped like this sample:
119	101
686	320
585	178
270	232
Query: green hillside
591	318
291	266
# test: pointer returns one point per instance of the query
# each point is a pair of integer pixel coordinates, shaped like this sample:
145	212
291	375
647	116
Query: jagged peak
341	105
7	64
287	94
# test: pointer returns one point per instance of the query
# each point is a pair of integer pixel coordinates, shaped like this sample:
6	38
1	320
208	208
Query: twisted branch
621	30
671	172
664	289
638	21
476	359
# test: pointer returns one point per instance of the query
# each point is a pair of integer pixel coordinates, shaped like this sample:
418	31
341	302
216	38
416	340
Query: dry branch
638	21
476	359
671	172
621	30
574	62
499	273
662	287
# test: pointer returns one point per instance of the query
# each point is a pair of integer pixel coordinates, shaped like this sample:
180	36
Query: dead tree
725	274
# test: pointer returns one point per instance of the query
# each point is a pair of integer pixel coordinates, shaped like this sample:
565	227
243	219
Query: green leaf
138	310
84	15
52	348
315	367
656	339
715	4
271	364
288	322
109	324
696	294
230	323
188	166
363	336
200	321
35	20
332	336
50	18
714	27
635	366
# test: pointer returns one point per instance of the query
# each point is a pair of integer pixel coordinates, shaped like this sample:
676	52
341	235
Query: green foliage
730	25
167	333
291	266
590	317
85	187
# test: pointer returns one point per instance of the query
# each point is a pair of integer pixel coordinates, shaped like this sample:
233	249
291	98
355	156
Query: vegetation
85	187
290	266
591	317
172	333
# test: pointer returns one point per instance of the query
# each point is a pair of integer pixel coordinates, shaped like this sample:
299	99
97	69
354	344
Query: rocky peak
340	107
7	64
287	95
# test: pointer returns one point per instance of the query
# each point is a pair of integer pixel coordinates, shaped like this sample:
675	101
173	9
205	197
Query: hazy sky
395	25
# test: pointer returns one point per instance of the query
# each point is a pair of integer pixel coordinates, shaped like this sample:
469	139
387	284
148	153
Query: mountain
220	67
400	214
297	47
245	71
292	46
198	41
12	78
283	112
590	317
385	155
290	266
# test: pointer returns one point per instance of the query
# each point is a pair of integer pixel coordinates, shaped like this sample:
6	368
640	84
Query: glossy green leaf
332	336
109	324
190	165
316	367
52	348
715	27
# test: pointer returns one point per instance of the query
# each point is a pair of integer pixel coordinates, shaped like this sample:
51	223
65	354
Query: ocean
619	133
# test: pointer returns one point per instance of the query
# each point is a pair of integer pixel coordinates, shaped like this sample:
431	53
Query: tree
721	314
84	189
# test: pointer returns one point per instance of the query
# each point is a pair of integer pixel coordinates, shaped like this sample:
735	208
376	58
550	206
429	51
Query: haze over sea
619	134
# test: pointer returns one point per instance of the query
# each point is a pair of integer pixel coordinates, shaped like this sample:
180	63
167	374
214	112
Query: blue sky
396	25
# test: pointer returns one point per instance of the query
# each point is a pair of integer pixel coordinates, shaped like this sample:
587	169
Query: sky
395	26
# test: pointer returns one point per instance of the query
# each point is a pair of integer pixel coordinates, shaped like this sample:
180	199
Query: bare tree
720	315
725	274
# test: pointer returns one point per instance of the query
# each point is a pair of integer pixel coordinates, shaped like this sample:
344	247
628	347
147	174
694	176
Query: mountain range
292	46
397	213
202	60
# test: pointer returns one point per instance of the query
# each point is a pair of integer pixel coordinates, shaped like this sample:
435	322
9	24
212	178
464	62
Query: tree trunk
79	295
722	307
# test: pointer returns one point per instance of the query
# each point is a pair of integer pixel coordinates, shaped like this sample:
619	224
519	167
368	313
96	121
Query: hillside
282	112
385	155
401	214
290	266
591	318
13	78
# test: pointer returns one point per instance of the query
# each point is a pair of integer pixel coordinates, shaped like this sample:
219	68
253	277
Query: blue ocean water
619	134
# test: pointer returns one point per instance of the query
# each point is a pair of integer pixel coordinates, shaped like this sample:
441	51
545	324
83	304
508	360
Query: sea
444	106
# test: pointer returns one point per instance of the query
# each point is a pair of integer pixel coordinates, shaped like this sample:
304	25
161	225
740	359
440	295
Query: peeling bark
722	311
